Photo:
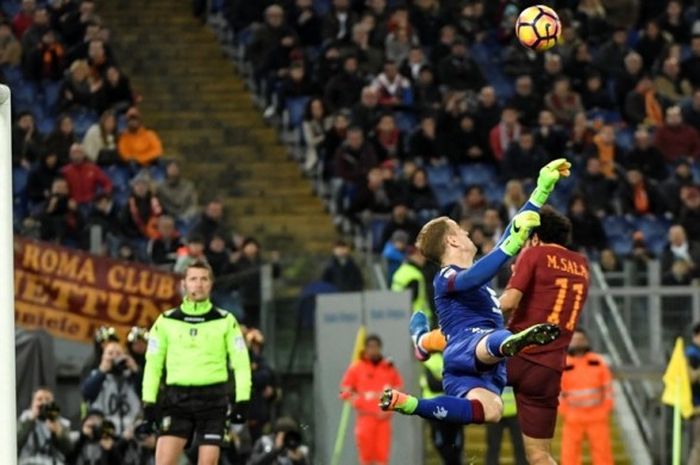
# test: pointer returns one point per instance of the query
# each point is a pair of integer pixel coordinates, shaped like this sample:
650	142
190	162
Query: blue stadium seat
617	227
376	228
494	192
446	195
322	6
621	245
655	231
19	180
657	245
52	91
23	94
296	107
13	74
82	120
477	174
440	175
10	7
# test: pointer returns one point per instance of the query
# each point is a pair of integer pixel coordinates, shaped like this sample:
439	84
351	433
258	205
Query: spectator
398	44
691	66
413	64
426	95
137	143
639	196
652	44
679	248
472	205
671	188
60	140
642	104
365	377
306	24
104	216
97	443
492	225
458	71
488	109
523	159
401	219
553	71
444	44
190	253
676	139
344	89
526	101
24	18
373	197
139	217
594	96
99	142
115	378
316	123
610	58
673	22
248	266
596	188
513	199
354	158
210	222
60	219
26	141
423	142
10	48
502	135
295	84
342	271
365	113
607	151
581	138
627	81
670	84
284	446
388	140
393	89
550	136
689	216
116	91
46	60
162	250
335	137
42	433
177	195
264	389
337	24
219	257
691	111
466	143
646	157
587	234
85	179
41	178
580	65
394	252
421	196
592	22
77	90
563	102
609	261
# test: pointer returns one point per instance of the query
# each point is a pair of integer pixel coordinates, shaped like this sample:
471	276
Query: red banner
71	293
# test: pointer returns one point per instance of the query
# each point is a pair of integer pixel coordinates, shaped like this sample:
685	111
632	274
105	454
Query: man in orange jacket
137	143
363	384
585	403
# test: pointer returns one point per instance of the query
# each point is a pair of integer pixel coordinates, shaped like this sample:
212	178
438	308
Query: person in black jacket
41	178
97	443
342	271
586	229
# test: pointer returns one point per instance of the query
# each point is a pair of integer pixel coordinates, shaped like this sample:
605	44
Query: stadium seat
13	74
440	175
376	229
23	94
621	245
617	227
296	107
477	174
494	192
446	195
52	91
19	180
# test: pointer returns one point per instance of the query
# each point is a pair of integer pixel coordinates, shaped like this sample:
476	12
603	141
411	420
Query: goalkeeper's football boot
396	401
536	335
418	326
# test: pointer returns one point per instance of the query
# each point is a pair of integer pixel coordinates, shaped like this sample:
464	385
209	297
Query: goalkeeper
470	316
194	344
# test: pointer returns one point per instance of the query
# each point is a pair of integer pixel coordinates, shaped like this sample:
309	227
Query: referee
193	344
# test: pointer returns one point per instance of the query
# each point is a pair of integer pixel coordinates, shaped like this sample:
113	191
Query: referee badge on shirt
193	332
165	425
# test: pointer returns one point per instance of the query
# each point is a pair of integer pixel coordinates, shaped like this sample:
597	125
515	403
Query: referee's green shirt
193	343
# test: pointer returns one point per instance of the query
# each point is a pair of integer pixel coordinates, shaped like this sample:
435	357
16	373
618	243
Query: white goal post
8	408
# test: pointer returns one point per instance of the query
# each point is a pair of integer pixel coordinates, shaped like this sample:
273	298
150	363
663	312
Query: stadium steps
206	118
475	448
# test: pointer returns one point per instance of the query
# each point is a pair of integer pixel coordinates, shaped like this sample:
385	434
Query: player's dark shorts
195	409
463	372
536	390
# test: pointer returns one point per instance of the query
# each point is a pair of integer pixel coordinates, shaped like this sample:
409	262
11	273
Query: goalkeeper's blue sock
495	340
451	410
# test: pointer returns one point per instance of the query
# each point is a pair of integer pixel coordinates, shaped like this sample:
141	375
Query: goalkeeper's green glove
520	229
549	175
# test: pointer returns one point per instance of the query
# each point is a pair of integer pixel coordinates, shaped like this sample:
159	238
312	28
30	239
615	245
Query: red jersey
554	283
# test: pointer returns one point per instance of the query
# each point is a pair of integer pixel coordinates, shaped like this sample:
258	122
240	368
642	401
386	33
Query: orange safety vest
586	389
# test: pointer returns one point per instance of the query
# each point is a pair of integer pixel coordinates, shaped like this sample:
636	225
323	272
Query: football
538	28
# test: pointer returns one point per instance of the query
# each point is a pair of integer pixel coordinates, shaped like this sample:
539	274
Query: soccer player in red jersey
549	285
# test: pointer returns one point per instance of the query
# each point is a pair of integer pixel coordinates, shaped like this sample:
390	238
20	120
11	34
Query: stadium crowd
405	110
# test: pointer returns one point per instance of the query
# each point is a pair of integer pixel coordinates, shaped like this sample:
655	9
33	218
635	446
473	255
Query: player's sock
536	335
495	340
434	341
450	409
418	327
397	401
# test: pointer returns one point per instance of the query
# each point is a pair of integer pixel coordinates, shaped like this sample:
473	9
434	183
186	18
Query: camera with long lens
119	366
292	440
50	411
104	431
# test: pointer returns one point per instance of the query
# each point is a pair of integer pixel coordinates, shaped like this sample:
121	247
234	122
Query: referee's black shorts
200	410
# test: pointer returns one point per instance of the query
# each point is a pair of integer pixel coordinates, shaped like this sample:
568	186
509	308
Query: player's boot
417	327
397	401
536	335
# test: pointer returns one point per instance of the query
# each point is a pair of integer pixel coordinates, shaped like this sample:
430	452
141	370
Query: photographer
140	449
111	388
136	345
282	447
97	442
42	434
